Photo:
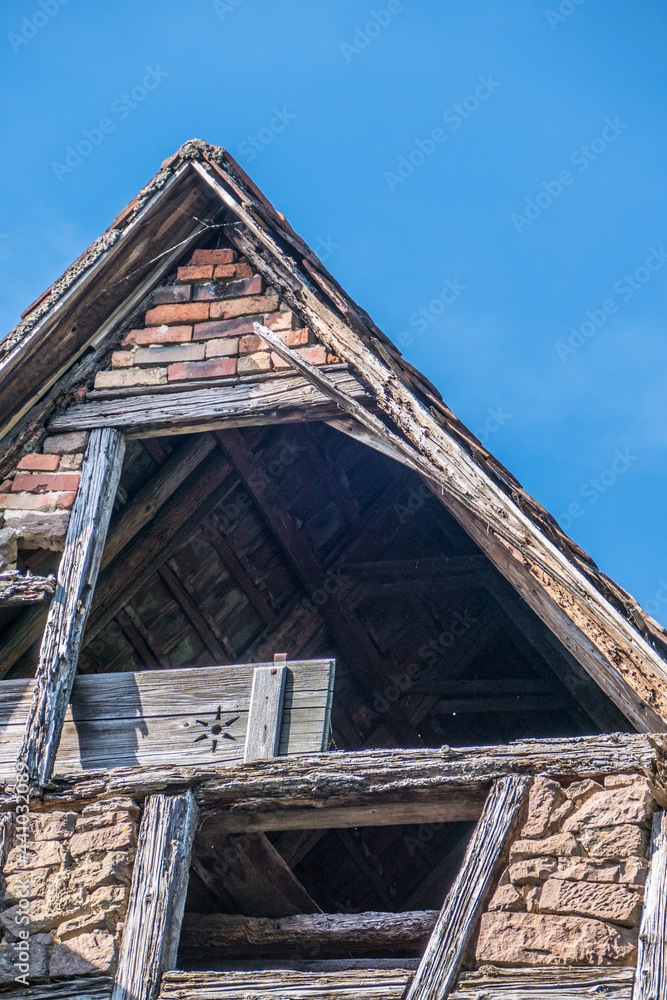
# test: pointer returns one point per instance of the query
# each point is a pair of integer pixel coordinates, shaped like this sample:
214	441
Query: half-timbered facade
301	693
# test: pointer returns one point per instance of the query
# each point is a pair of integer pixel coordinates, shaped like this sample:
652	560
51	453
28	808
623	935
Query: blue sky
484	176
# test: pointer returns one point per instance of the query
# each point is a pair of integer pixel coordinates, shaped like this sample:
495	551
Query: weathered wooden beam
266	712
464	687
350	635
370	875
277	400
263	795
157	896
138	641
439	967
545	982
510	703
97	988
232	563
651	976
412	569
366	983
247	870
223	934
66	620
15	588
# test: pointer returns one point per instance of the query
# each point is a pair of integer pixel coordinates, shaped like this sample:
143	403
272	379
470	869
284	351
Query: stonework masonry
573	890
75	874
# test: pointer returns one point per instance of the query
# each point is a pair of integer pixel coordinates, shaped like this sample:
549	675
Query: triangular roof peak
201	194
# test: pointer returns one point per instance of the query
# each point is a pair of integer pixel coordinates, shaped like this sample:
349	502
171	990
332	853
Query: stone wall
573	890
72	879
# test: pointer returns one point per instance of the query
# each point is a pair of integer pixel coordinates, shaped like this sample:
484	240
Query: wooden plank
276	400
546	982
97	988
157	896
66	620
15	588
651	976
266	712
332	933
203	626
316	782
436	975
160	716
284	984
232	563
247	871
511	703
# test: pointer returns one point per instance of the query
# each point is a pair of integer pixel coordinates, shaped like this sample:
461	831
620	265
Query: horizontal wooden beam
363	983
509	703
331	933
18	589
429	569
371	778
277	400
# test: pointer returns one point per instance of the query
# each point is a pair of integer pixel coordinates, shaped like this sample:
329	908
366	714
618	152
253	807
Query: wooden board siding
149	718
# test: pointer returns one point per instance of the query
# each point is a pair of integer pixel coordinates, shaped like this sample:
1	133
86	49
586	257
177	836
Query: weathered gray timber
369	984
277	400
377	982
188	716
265	714
651	976
97	988
544	983
212	934
157	896
66	620
18	589
487	851
268	795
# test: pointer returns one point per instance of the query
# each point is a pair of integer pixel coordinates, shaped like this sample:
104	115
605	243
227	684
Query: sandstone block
532	895
45	855
614	903
110	899
38	530
113	867
250	363
619	780
579	791
8	549
92	952
633	871
518	939
506	897
111	805
109	839
95	821
80	925
45	913
545	795
128	377
62	444
560	813
52	825
614	842
532	870
36	967
558	845
70	463
633	803
26	885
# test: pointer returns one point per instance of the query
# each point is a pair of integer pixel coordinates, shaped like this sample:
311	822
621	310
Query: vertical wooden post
436	975
651	975
69	607
266	712
157	896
